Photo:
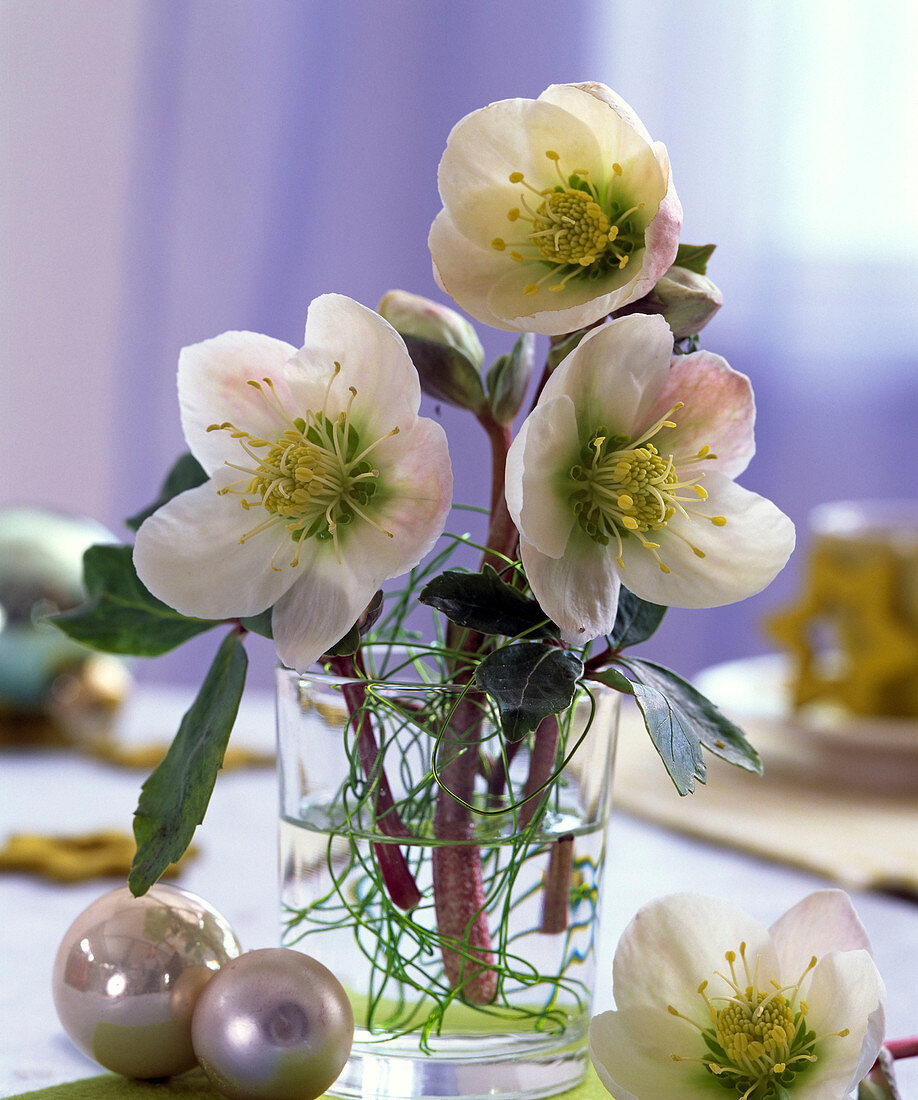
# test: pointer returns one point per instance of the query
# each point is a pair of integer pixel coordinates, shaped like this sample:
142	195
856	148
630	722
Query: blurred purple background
173	170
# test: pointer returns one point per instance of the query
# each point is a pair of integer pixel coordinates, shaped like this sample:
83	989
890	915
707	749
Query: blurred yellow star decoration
852	599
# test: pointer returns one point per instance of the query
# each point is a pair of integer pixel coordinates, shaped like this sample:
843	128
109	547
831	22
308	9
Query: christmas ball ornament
273	1025
41	572
129	971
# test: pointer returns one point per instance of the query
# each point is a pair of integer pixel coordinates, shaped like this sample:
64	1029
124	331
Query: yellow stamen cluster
313	477
623	487
576	226
759	1039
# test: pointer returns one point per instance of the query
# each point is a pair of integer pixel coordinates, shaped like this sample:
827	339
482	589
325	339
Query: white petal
675	943
548	312
511	135
741	558
323	605
578	591
631	1053
615	372
465	270
844	991
719	412
212	386
547	444
571	98
188	554
822	922
373	360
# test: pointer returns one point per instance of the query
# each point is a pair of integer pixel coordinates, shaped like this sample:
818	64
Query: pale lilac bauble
128	973
273	1025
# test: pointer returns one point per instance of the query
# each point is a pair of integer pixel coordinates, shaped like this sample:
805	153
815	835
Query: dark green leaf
694	257
346	646
508	378
613	679
672	735
259	624
484	602
529	681
120	615
446	373
187	473
714	730
174	798
635	621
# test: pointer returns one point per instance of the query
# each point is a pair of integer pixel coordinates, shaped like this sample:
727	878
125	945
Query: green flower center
623	487
312	480
577	227
759	1040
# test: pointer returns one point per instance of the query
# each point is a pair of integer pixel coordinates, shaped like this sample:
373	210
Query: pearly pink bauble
273	1025
129	971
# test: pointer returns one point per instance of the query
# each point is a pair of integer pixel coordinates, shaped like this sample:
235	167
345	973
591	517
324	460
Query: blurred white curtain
178	169
792	129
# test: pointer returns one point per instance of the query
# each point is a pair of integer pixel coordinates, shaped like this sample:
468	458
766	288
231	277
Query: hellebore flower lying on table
623	474
712	1004
323	480
556	210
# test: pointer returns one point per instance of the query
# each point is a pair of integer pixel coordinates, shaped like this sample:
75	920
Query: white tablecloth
236	872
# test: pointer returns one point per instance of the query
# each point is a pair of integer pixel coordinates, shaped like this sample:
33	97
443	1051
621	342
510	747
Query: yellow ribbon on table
106	853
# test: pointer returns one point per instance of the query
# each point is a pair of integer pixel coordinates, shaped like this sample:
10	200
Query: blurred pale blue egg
41	572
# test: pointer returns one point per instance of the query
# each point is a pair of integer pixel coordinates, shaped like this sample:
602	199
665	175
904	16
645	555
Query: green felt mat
195	1086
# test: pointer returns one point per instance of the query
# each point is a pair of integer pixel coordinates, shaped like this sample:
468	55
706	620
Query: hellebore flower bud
443	347
685	299
508	378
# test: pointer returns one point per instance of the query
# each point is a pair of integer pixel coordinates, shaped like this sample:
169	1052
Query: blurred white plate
820	741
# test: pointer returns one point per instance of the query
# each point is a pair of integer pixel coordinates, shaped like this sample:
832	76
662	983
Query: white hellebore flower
324	482
710	1004
623	474
556	210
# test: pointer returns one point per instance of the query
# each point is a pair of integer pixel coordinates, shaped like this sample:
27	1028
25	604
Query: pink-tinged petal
675	943
373	360
845	990
740	558
418	482
578	591
212	388
631	1054
719	413
546	444
822	922
614	372
321	607
661	237
188	555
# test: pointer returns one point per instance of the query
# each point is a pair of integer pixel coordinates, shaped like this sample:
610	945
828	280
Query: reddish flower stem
541	766
459	897
903	1048
396	874
556	897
